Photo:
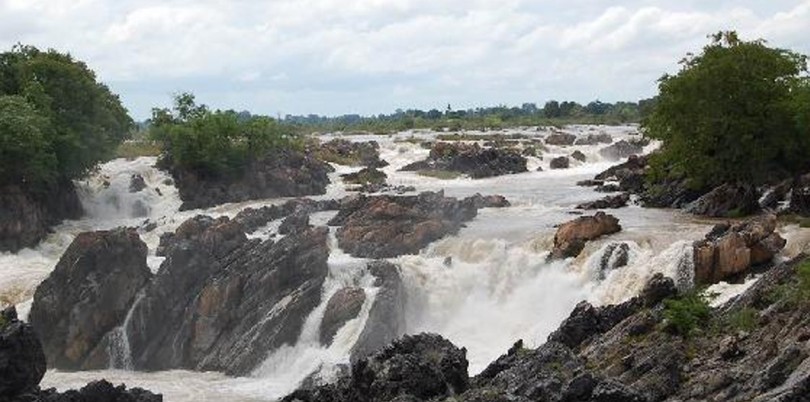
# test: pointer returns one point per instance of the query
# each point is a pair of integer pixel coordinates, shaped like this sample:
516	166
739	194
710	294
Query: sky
334	57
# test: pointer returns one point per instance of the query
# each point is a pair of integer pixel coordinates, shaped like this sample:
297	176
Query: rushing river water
498	288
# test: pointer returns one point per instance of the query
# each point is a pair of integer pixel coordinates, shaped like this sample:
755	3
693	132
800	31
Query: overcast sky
372	56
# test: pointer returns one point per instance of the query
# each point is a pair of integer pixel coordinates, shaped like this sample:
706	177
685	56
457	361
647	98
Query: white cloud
369	56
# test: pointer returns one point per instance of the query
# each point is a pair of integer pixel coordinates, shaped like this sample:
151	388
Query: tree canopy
736	112
56	120
217	142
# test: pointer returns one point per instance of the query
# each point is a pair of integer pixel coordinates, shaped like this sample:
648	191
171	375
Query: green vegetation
744	319
492	118
737	112
135	149
3	322
214	143
686	314
56	120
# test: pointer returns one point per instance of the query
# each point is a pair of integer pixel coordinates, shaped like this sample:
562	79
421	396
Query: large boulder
730	250
561	162
351	153
22	361
386	319
342	307
594	139
571	236
26	217
220	301
387	226
470	159
727	200
631	175
621	150
415	368
87	295
279	173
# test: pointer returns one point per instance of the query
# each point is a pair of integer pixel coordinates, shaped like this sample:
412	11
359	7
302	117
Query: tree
76	119
733	113
26	151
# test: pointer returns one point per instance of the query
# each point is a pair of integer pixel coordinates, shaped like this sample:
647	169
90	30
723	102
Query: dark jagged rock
800	196
561	139
88	294
726	201
470	159
25	217
578	155
98	391
136	183
351	153
488	201
620	150
386	226
219	298
386	319
561	162
342	307
294	223
365	176
414	368
630	174
730	250
571	236
590	183
279	173
609	202
608	188
616	256
254	218
22	361
594	139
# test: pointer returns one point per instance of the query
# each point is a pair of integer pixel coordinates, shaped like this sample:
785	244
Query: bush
56	120
686	314
218	143
738	111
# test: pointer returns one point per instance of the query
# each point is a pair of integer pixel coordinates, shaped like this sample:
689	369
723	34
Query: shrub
685	315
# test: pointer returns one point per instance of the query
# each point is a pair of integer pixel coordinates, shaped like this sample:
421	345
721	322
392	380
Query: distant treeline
553	113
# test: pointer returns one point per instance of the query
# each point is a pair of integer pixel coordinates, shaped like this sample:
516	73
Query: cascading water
483	288
119	349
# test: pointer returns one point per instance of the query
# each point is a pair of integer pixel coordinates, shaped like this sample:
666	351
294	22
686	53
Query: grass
136	149
439	174
745	319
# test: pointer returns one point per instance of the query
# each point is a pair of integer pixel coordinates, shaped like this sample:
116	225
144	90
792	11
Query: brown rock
343	306
571	236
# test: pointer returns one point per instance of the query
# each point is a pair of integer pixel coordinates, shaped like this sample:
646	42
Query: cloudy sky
372	56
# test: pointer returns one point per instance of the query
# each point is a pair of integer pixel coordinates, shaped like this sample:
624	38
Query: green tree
85	121
732	114
26	151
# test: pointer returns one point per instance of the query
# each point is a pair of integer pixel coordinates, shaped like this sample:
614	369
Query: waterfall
119	350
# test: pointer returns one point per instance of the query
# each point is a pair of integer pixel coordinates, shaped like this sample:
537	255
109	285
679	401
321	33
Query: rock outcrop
351	153
386	319
609	202
23	364
571	236
594	139
470	159
219	298
414	368
26	218
731	250
630	175
87	295
578	155
561	162
561	139
342	307
621	150
280	173
387	226
727	200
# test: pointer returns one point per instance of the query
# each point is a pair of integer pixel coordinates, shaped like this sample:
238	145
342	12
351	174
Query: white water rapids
497	287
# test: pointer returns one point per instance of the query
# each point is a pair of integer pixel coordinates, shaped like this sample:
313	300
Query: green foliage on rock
215	143
736	112
56	120
686	314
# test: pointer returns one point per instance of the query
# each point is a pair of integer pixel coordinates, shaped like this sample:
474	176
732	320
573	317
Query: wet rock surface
594	139
561	162
386	319
731	250
281	173
727	200
343	306
87	295
387	226
571	236
351	153
470	159
561	139
609	202
621	150
23	364
26	218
